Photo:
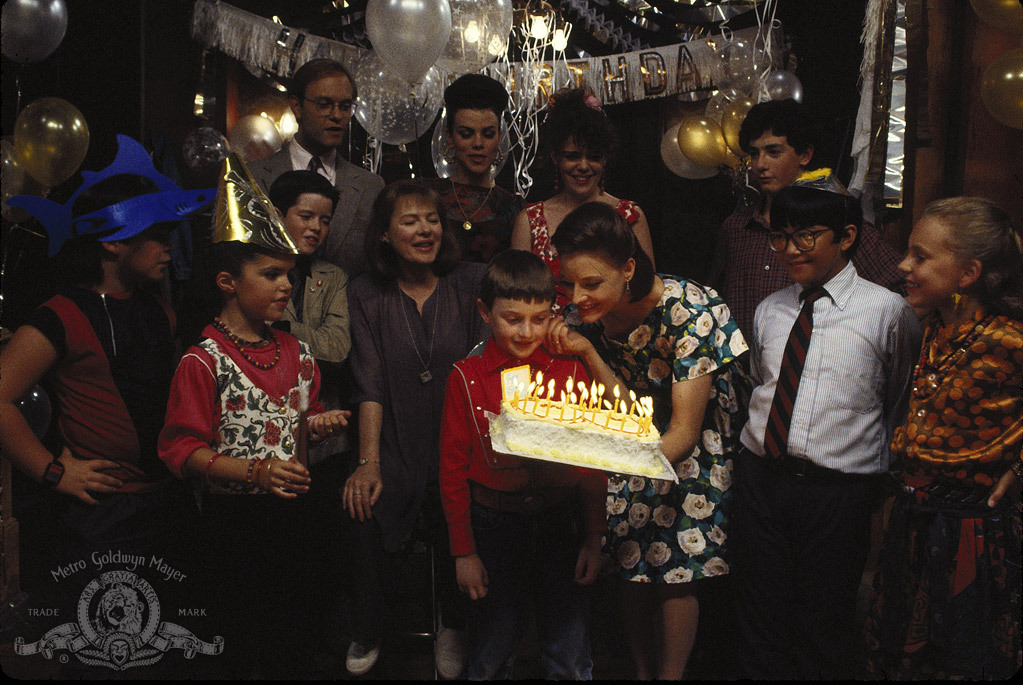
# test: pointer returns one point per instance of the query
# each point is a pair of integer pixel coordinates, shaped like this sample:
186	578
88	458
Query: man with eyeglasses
322	96
779	137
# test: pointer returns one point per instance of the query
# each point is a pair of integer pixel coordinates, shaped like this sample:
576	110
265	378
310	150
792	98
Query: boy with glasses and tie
830	364
322	96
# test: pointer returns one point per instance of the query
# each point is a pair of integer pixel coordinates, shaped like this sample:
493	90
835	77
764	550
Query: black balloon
35	407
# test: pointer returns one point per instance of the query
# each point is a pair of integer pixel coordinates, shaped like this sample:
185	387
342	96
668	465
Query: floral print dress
658	531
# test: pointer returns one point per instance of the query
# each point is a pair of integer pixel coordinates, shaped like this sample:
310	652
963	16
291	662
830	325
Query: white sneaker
361	659
449	653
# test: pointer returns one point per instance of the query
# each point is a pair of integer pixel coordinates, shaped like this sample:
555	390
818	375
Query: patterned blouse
966	409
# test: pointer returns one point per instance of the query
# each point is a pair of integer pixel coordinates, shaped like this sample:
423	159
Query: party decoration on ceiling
32	29
254	137
782	85
50	140
1006	15
124	219
408	35
1001	88
679	164
244	212
479	34
391	110
439	143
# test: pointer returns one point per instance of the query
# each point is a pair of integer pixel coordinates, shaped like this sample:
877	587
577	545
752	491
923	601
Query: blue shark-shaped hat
127	218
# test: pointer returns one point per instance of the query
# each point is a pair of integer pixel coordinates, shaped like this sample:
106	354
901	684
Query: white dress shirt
855	383
300	160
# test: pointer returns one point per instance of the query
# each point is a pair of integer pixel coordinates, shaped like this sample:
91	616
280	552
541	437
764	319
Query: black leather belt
525	502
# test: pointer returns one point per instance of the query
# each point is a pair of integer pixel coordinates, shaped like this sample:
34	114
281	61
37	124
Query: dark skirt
946	600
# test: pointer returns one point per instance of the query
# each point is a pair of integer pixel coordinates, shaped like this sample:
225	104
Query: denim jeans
530	561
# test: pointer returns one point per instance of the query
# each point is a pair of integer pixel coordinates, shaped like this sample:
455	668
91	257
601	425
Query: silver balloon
408	35
255	137
440	143
739	65
204	148
679	164
32	29
35	407
391	110
782	85
479	34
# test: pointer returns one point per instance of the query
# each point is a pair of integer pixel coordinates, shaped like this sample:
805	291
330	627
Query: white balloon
389	108
784	84
32	29
439	143
679	163
479	34
254	137
408	35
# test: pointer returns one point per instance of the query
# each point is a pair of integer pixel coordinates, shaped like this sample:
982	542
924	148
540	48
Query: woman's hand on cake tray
287	479
328	423
362	490
472	576
587	564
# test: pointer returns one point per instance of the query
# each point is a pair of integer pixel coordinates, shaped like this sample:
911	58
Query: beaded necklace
241	345
936	370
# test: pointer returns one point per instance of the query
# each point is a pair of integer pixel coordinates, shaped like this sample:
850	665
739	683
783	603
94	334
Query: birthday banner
682	69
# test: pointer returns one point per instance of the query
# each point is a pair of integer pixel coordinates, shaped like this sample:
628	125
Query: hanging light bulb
471	32
560	40
288	125
538	27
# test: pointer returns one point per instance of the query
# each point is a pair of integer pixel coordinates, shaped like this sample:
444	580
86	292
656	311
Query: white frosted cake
580	434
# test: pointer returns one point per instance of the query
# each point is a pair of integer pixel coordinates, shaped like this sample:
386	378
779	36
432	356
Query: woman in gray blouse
413	314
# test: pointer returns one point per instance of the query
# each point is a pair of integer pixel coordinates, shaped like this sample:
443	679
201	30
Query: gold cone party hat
244	212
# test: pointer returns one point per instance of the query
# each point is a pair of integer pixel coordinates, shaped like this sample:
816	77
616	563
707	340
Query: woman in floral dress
675	340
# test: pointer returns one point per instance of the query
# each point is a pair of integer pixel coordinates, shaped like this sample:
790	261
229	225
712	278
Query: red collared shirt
746	270
473	388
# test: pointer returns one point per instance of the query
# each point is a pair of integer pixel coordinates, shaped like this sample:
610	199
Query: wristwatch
53	473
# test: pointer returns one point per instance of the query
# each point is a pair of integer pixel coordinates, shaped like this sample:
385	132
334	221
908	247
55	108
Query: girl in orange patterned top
947	591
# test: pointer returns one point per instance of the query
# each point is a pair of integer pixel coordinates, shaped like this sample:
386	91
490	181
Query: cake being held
580	428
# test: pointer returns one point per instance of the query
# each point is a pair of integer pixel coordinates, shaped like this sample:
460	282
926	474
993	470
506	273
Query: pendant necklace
467	224
425	377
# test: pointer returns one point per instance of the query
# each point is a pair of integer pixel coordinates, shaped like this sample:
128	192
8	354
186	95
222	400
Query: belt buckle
533	503
800	467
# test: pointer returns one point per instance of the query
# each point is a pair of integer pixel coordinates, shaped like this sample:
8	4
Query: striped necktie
776	437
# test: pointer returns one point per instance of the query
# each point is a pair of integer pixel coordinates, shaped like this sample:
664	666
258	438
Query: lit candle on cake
608	419
617	400
632	409
550	397
600	395
536	400
564	402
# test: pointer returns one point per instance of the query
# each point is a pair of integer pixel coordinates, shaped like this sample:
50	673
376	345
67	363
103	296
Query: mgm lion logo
119	627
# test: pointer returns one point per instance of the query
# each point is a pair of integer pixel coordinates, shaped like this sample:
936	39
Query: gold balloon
731	121
1001	88
50	140
1006	15
701	141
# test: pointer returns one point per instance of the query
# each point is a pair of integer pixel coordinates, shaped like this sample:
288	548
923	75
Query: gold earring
449	154
498	159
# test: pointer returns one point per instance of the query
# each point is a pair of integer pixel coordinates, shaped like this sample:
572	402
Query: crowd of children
252	423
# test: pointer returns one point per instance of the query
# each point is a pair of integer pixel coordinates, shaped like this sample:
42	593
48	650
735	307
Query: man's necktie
776	437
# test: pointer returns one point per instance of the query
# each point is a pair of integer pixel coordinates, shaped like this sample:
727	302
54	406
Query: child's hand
328	423
587	564
562	339
1007	484
286	479
472	576
82	476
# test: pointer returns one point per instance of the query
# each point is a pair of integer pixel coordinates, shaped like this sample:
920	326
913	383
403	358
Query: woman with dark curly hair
580	142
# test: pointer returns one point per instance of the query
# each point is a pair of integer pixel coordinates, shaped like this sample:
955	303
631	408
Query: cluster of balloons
1001	87
400	83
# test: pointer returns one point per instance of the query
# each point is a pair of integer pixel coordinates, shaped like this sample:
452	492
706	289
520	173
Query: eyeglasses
804	240
325	106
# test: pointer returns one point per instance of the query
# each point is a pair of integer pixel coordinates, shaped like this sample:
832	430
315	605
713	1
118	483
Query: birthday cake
585	432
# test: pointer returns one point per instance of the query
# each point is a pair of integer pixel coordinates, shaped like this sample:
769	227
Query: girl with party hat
243	403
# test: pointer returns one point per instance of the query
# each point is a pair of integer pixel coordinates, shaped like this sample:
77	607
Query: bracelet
260	469
209	464
265	483
1017	468
248	473
363	462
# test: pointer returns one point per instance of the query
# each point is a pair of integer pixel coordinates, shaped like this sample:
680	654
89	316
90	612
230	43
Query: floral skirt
660	532
946	600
